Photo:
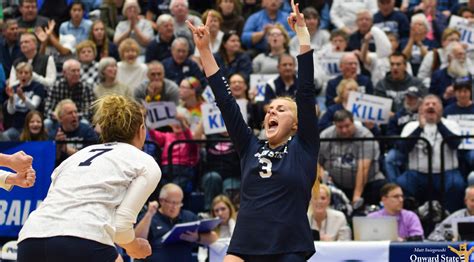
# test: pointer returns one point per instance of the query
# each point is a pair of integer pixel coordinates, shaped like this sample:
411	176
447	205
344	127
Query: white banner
212	119
257	85
159	114
467	129
369	108
330	62
465	28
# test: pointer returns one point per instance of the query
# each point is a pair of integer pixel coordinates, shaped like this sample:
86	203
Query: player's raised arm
297	24
201	40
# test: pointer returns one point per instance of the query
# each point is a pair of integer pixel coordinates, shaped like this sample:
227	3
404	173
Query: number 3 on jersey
266	167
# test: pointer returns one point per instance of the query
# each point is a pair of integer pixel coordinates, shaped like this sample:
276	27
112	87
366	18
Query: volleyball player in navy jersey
277	175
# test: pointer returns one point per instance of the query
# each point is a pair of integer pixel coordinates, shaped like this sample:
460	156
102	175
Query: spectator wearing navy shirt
286	83
442	79
179	65
231	58
277	175
348	66
160	46
391	20
395	161
25	96
160	218
462	109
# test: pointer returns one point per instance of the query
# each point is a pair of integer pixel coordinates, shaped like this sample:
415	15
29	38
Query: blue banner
432	251
16	205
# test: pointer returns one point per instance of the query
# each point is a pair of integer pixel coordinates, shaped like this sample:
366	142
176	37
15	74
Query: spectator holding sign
184	156
343	90
276	176
463	109
96	195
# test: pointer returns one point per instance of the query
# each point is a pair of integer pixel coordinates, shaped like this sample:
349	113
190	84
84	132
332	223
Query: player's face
171	205
221	211
393	202
280	121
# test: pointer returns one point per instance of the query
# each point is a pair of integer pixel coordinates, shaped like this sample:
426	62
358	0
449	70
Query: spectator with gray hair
458	66
70	86
22	98
156	87
108	83
70	128
160	46
417	45
179	65
180	12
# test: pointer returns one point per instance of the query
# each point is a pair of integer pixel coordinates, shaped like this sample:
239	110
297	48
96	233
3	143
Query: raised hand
9	91
50	28
201	33
296	18
41	34
152	207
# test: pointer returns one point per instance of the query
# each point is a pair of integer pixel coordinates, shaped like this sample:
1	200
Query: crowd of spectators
59	56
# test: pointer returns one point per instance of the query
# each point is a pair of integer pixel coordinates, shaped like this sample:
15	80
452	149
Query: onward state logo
450	254
463	253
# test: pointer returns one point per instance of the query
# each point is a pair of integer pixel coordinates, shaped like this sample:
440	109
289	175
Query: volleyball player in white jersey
96	194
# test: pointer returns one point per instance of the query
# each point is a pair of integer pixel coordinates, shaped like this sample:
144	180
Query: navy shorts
64	248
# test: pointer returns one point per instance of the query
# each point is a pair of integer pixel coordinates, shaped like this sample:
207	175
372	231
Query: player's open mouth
272	124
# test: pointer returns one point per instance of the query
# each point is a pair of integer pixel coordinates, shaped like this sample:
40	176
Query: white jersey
96	194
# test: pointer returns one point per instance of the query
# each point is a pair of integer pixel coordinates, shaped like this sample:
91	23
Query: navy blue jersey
276	183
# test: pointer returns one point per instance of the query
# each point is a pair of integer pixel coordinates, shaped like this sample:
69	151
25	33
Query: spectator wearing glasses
160	217
409	225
